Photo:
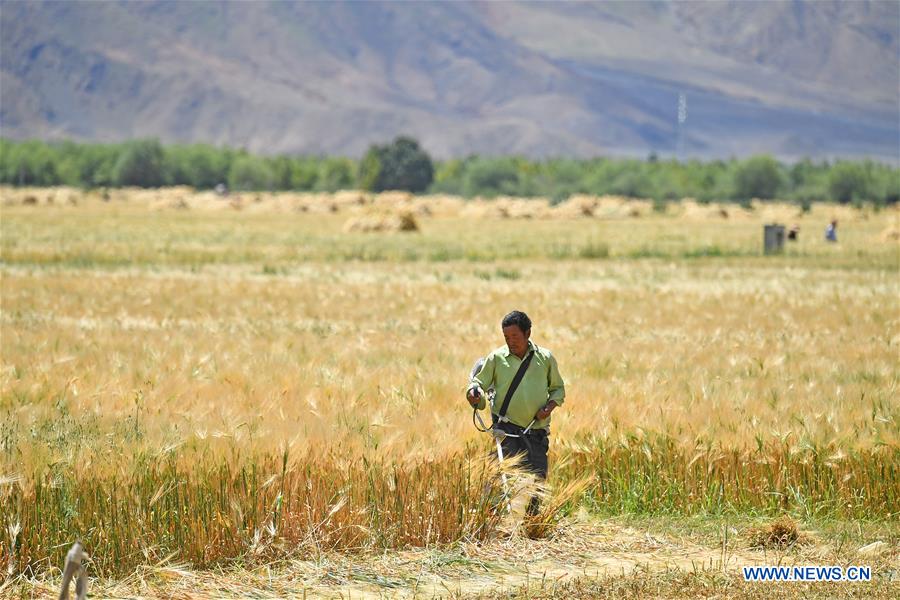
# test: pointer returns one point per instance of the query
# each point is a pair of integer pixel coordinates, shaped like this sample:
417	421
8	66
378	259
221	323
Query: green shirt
541	383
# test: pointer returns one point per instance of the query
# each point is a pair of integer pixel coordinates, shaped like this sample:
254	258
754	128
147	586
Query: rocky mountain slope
790	78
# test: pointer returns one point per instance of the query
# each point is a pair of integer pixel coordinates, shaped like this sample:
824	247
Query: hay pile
154	198
518	208
170	198
891	234
612	207
421	206
842	213
382	212
313	203
638	208
781	533
603	207
347	198
776	212
383	221
393	200
303	202
692	210
210	201
506	207
578	205
32	196
442	205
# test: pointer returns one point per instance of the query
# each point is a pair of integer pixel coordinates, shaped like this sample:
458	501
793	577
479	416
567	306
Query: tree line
404	165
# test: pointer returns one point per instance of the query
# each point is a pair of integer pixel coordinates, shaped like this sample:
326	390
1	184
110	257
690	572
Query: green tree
142	164
633	182
335	174
369	174
400	165
448	177
197	165
891	185
491	177
90	165
305	174
758	177
848	182
556	178
250	173
30	163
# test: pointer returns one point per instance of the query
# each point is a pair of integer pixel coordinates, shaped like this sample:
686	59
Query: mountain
544	78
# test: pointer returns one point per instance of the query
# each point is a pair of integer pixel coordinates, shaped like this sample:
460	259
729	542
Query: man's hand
473	396
545	412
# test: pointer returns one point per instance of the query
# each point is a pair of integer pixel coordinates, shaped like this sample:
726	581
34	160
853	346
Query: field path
577	550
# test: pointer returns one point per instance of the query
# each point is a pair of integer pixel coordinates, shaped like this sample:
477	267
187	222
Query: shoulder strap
515	384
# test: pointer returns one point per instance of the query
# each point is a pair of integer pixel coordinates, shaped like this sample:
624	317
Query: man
831	232
539	392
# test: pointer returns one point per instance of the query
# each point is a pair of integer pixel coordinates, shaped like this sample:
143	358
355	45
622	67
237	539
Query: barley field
227	383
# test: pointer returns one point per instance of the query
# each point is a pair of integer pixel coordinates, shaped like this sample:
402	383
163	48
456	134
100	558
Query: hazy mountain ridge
553	78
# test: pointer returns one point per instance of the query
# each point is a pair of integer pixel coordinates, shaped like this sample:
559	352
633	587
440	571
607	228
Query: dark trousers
533	448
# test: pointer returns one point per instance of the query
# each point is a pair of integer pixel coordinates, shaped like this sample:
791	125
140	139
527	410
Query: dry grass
159	365
544	523
781	533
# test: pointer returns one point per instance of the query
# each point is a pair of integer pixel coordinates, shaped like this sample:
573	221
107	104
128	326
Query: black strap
515	384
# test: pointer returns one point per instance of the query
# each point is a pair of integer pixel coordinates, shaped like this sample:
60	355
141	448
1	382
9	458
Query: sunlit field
210	381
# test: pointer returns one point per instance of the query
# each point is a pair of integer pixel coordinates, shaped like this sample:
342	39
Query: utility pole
682	117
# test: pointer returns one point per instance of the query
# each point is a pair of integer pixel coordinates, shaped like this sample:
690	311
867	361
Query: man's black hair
518	318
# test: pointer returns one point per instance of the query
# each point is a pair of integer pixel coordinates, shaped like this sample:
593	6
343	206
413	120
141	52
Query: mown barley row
260	507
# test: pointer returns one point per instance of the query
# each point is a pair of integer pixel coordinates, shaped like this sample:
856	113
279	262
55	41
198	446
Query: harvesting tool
494	430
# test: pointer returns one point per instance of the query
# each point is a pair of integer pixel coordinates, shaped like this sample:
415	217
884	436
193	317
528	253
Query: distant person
831	232
794	233
539	392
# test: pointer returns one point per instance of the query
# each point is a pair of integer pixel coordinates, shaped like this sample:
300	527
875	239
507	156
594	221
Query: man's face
516	341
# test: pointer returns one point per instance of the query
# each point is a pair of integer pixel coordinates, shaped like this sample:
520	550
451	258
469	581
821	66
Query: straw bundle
583	205
404	201
690	209
422	209
637	208
31	196
775	212
516	208
346	198
25	196
383	221
392	199
478	209
441	204
838	212
170	203
578	205
890	234
178	198
325	203
781	533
